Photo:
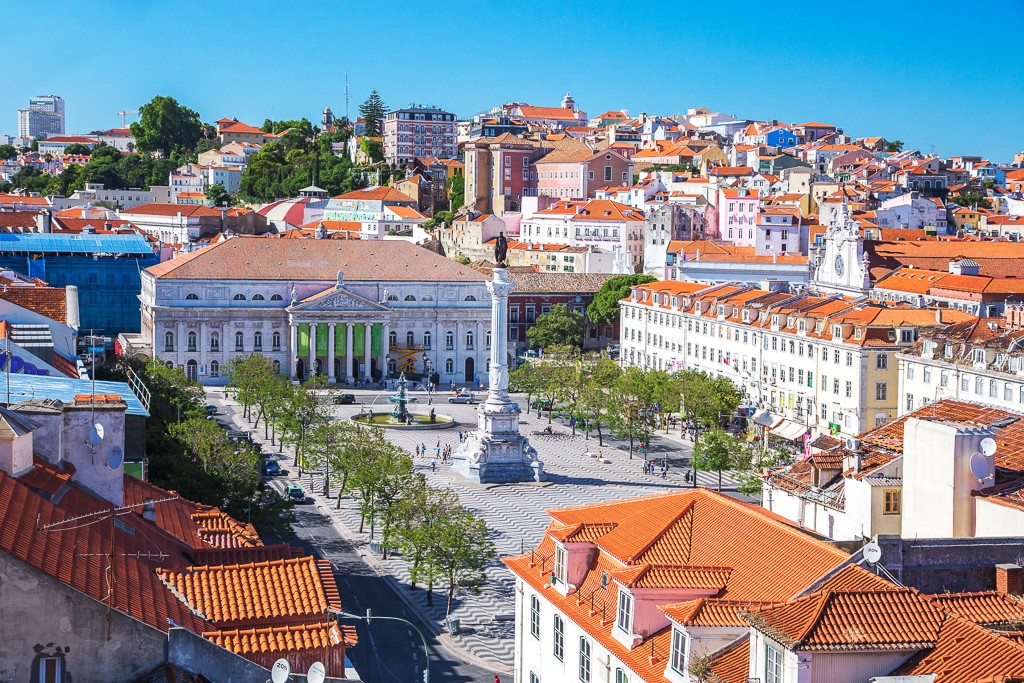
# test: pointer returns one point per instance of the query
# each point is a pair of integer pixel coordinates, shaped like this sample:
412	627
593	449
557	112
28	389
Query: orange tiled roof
985	608
239	594
376	194
731	664
292	638
220	530
859	620
966	653
672	576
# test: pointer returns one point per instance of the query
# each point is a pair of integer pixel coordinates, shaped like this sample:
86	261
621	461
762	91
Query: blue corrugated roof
26	387
48	243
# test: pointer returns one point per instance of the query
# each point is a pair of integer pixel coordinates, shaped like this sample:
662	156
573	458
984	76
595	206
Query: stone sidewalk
515	513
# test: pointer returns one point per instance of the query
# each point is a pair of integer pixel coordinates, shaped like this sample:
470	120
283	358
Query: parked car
210	408
270	468
462	398
295	493
344	399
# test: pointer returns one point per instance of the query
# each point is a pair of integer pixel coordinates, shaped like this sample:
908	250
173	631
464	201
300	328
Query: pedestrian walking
433	465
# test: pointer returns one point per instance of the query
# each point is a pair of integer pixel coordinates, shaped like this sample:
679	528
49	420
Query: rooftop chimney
1010	579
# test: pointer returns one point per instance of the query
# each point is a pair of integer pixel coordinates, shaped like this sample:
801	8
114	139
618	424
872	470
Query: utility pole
346	98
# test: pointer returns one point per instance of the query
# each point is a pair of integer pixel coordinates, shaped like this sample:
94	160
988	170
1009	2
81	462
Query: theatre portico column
385	343
293	349
330	352
312	350
367	336
348	354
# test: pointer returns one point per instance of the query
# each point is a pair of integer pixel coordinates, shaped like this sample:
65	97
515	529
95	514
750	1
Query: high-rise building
44	116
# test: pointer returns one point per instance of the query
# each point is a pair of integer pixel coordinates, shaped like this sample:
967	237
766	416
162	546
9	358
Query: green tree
166	126
218	196
895	146
8	152
373	110
971	199
78	148
706	400
422	508
526	380
716	450
643	395
562	327
595	403
604	309
460	552
438	218
457	192
373	149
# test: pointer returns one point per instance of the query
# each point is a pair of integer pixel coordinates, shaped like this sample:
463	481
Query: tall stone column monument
497	453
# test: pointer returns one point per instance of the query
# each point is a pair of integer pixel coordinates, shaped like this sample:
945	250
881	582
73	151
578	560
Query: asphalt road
387	651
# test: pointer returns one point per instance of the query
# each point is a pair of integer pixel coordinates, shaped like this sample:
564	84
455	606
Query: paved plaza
515	513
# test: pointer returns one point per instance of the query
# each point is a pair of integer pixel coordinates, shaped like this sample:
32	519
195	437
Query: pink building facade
738	212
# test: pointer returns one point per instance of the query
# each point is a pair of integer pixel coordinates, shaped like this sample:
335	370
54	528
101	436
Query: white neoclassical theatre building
345	308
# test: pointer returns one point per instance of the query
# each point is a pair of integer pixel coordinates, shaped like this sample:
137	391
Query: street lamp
369	616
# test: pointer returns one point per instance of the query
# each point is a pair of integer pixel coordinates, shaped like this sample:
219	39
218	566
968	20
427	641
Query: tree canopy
166	126
300	158
373	110
78	148
562	326
8	152
604	309
971	199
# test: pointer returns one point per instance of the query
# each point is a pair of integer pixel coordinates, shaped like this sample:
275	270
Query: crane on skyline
125	113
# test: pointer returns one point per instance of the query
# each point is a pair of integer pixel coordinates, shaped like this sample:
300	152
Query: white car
462	398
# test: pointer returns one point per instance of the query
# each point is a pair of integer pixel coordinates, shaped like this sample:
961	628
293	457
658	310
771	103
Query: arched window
192	342
238	297
257	341
392	339
410	339
276	297
470	338
192	296
215	341
488	338
169	341
277	367
992	388
258	297
275	339
169	364
449	366
426	340
449	339
978	386
392	297
214	369
239	341
427	297
470	298
410	297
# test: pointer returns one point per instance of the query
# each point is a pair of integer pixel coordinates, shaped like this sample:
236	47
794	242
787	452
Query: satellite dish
317	673
872	552
280	672
979	466
115	458
96	434
988	446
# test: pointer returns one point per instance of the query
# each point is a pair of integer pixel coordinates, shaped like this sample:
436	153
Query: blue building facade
105	268
781	137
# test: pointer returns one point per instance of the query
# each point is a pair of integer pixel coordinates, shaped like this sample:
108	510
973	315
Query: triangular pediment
337	299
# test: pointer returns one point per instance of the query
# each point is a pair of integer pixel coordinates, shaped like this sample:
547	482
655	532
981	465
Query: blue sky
934	74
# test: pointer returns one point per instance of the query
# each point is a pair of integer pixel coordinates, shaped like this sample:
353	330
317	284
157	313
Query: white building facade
398	308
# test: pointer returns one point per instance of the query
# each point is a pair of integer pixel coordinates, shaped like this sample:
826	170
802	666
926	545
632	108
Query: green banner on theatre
303	335
321	340
376	347
358	339
339	340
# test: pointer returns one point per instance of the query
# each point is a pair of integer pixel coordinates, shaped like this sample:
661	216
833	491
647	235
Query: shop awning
763	418
789	430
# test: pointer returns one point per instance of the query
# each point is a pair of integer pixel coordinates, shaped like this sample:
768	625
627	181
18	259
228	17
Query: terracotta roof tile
829	620
966	653
255	258
986	608
731	664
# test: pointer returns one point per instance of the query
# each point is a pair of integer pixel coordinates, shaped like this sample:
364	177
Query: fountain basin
419	421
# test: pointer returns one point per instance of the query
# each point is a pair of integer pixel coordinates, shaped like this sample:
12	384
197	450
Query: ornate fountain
400	413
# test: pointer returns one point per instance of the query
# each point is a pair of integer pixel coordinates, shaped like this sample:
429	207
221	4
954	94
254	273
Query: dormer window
775	320
907	336
948	351
678	656
837	330
979	356
721	309
624	618
559	573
